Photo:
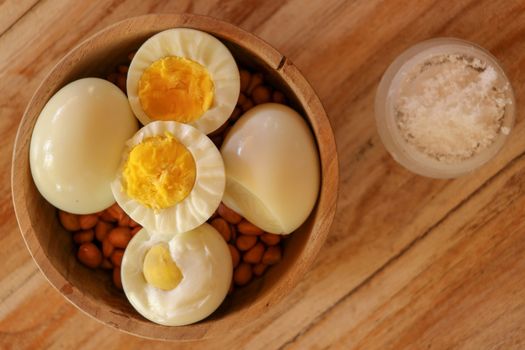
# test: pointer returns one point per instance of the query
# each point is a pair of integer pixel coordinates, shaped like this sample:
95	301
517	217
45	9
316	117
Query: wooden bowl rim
326	202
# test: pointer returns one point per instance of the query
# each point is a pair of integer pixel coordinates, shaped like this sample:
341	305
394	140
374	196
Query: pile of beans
252	249
101	237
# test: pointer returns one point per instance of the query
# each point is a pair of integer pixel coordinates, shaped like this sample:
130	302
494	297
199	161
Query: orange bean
234	232
236	257
261	94
242	274
88	221
89	255
232	288
106	216
272	255
131	55
248	228
124	220
123	69
256	80
107	248
102	229
69	221
228	214
278	97
116	278
106	264
119	237
133	223
134	230
254	255
116	257
115	211
270	238
245	242
83	236
259	269
223	227
245	78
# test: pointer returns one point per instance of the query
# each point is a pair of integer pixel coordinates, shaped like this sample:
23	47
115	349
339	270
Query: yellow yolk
175	88
160	172
159	269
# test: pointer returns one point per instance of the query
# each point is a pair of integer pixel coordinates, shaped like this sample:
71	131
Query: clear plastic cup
387	94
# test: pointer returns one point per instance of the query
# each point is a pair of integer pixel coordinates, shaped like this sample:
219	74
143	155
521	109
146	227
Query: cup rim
384	116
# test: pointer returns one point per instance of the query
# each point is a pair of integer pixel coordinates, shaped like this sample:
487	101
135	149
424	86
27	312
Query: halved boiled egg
171	178
177	279
183	75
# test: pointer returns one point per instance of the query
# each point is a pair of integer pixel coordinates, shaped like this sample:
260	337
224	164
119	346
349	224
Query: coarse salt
451	107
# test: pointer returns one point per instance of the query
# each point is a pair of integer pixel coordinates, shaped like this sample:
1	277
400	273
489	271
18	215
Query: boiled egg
183	75
171	177
77	143
177	279
272	168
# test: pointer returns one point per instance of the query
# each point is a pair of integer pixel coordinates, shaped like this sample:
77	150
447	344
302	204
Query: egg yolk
160	172
175	88
159	269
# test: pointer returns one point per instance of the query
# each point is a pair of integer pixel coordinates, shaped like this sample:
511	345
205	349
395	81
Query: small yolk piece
175	88
160	172
159	269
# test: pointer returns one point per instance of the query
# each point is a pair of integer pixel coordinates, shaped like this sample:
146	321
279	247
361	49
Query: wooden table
410	262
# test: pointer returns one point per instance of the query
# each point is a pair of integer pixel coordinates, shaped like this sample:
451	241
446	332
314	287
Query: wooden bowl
92	291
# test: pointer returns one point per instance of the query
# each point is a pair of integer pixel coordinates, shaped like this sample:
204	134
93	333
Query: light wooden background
411	263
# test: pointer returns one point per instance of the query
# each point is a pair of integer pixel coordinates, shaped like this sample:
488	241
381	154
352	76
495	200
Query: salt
450	107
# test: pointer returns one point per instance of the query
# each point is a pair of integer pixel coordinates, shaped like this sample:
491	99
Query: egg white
203	199
202	48
204	259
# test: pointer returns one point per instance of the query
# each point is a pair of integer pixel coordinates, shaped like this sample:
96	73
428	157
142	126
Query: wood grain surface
410	263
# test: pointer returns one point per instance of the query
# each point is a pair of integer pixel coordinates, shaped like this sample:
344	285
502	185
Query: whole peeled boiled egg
183	75
272	168
171	177
177	279
77	143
